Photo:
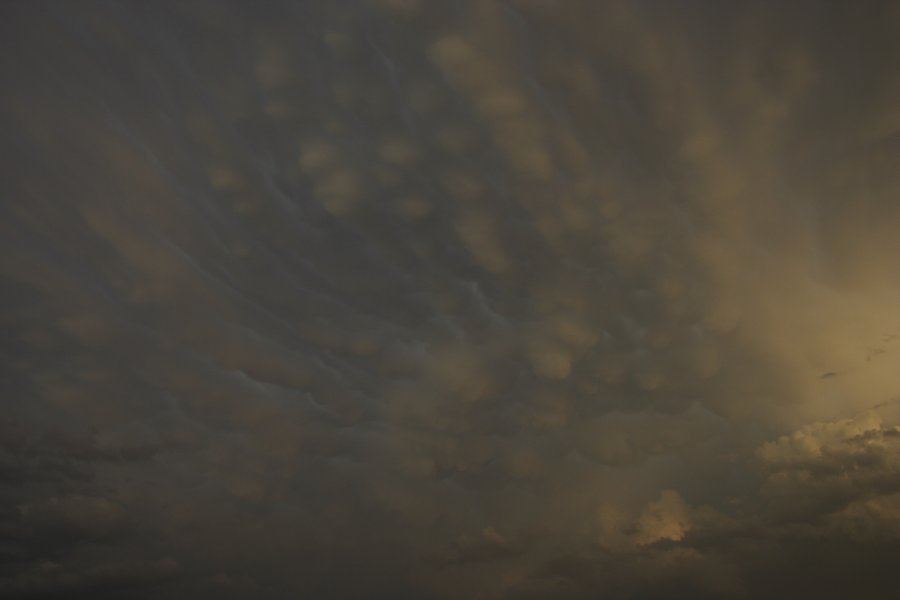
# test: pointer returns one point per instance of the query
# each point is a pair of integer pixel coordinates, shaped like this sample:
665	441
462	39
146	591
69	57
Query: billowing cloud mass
450	299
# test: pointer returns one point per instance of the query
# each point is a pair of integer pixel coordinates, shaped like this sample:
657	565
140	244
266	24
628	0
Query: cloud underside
417	299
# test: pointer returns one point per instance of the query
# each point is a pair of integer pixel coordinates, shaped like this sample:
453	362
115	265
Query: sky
449	299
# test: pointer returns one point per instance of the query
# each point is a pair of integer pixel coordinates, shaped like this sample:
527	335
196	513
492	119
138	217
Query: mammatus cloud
451	299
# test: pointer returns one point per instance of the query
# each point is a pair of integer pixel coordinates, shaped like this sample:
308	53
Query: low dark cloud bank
449	299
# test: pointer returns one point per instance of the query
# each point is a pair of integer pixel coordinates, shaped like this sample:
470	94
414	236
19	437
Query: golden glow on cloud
450	299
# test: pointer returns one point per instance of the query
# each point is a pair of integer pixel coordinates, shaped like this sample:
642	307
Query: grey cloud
115	579
450	299
834	476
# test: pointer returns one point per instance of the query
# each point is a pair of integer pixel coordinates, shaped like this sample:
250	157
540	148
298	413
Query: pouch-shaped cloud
465	298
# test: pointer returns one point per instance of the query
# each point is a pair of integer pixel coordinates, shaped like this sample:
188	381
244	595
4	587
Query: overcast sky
449	299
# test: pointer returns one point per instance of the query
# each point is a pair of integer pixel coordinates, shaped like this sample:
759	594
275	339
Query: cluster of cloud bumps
450	299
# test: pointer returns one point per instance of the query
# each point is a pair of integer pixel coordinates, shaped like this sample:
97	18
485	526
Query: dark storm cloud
420	299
